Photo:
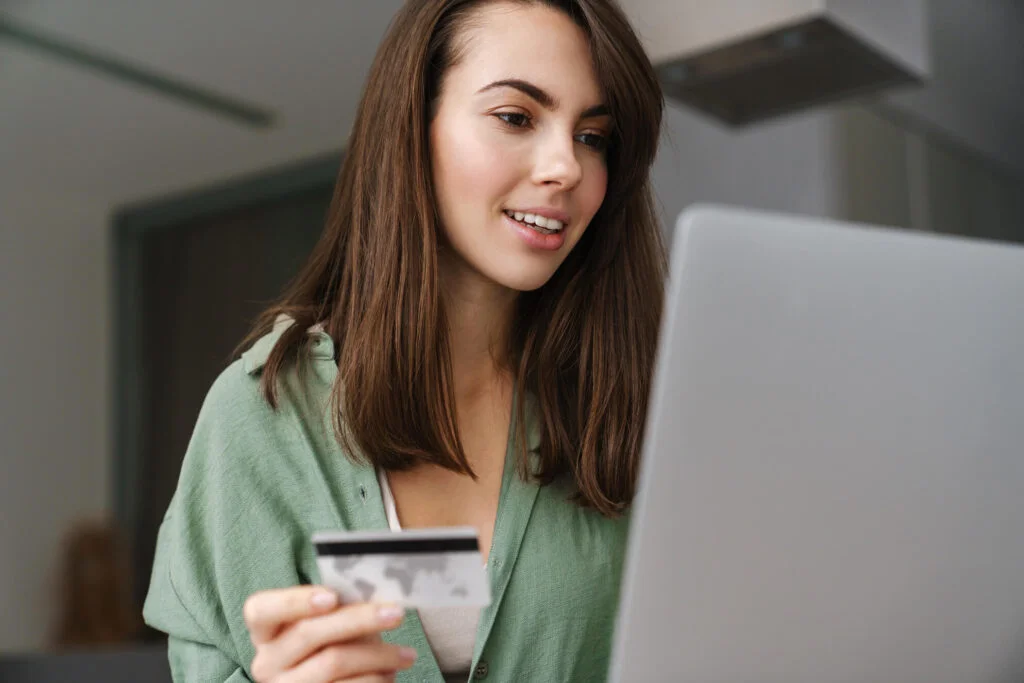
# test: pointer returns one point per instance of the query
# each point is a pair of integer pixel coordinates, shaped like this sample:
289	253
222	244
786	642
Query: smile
546	226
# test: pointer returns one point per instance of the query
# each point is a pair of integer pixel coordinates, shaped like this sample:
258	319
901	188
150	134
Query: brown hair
583	344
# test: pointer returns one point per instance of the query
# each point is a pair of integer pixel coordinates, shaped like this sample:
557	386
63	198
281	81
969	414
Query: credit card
414	568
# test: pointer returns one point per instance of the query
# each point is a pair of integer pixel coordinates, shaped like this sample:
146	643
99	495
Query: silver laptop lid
833	483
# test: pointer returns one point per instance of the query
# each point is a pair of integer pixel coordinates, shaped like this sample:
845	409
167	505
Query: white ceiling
69	128
65	128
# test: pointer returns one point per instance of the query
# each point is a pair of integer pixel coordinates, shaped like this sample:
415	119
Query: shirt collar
321	345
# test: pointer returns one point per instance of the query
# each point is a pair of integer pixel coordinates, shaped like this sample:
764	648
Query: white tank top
451	631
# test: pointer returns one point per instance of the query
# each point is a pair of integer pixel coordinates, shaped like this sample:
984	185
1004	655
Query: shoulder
239	436
236	400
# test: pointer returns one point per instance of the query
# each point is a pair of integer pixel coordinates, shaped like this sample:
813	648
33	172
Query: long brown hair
583	344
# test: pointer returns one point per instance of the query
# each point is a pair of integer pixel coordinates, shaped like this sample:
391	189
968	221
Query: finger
268	611
355	624
350	661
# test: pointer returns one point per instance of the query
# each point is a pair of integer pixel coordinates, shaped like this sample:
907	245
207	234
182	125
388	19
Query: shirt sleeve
221	538
192	661
197	652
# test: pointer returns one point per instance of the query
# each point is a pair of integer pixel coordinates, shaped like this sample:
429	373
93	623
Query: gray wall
977	52
891	171
783	165
54	394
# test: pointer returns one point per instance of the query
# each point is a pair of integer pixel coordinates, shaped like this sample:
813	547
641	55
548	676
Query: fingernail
408	654
324	599
390	613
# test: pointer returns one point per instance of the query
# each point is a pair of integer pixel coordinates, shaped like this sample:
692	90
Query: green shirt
256	483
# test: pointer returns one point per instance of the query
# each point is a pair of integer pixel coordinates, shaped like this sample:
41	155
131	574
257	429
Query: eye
514	119
596	142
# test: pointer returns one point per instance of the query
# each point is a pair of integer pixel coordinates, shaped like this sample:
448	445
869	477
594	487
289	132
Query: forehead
529	41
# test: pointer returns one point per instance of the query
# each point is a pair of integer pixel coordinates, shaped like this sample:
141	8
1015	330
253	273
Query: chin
525	280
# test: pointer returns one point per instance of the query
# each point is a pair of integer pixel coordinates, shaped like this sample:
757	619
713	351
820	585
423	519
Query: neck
479	315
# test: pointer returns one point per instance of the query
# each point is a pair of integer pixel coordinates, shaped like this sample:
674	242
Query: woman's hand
302	635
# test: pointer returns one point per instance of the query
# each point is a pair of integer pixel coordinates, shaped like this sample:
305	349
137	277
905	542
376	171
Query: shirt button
480	672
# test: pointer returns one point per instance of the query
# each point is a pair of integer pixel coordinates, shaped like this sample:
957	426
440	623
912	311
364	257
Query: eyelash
598	143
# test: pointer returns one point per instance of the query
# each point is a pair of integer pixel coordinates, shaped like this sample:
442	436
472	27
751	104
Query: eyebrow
542	97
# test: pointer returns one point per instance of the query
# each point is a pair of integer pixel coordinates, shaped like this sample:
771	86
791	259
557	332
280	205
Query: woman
471	341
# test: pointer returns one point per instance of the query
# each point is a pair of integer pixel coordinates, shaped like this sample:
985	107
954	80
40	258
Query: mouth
545	226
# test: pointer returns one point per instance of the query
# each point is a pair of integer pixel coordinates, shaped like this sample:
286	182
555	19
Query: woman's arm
225	536
199	648
201	663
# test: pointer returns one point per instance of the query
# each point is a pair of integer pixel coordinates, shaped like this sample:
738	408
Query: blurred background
165	168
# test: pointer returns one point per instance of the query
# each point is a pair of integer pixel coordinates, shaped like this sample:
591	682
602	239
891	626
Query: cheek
467	164
593	188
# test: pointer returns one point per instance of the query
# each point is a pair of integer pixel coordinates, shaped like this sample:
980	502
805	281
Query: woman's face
517	144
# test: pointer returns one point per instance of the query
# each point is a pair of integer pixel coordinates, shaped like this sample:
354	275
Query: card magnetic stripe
395	547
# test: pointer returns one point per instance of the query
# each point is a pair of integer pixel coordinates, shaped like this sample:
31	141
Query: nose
556	162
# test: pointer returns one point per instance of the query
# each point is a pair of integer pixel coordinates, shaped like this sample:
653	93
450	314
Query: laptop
833	482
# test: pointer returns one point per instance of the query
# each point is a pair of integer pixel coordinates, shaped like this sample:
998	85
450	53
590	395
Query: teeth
551	224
